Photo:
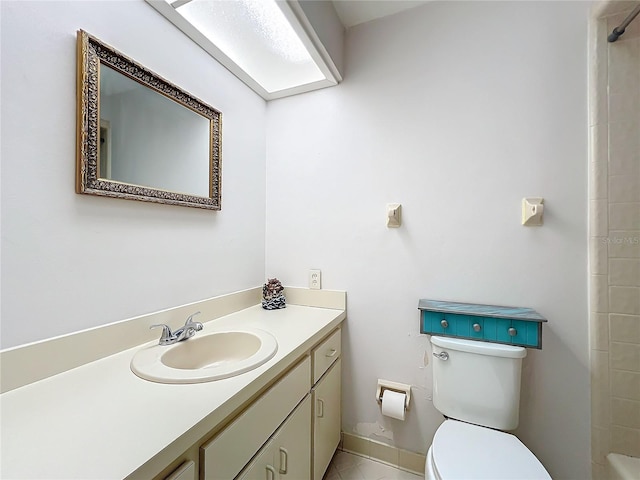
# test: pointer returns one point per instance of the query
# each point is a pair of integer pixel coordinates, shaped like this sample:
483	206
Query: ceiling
354	12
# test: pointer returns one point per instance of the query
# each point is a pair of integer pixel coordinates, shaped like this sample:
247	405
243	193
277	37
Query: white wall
457	110
74	261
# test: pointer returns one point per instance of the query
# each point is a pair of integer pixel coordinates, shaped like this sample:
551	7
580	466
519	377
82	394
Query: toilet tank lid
481	348
462	450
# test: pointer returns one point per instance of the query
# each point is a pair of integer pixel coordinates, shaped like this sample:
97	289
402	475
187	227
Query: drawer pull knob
320	408
476	327
512	332
444	324
441	355
284	455
331	353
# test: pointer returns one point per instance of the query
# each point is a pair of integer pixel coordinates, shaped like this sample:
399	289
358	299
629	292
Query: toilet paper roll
393	404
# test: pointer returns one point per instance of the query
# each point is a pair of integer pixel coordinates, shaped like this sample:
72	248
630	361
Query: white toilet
476	385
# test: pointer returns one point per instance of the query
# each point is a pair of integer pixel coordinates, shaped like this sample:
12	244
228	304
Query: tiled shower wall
614	213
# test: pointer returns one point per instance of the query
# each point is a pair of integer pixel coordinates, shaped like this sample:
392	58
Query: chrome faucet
187	331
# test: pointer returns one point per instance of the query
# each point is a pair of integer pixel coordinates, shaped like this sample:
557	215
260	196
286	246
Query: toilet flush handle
441	355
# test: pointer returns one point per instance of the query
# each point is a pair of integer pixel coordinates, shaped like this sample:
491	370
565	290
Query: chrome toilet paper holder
394	387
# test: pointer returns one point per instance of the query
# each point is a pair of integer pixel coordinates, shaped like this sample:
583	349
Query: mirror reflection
147	139
141	137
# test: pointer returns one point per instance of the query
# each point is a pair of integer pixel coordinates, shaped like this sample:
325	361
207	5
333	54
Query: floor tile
331	473
343	460
352	473
347	466
376	470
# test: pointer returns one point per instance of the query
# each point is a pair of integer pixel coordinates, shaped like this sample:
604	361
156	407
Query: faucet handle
191	323
166	331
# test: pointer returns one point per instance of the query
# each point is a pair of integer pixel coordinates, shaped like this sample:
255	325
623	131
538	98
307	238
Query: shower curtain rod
619	30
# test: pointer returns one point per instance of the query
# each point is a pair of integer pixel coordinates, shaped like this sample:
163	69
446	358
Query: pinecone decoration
273	295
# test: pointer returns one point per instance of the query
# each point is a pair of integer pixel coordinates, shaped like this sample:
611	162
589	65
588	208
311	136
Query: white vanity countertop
102	421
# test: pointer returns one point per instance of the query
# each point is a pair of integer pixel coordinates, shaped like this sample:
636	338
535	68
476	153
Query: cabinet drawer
325	354
527	333
226	454
489	329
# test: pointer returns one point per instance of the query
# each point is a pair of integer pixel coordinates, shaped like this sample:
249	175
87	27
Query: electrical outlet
315	279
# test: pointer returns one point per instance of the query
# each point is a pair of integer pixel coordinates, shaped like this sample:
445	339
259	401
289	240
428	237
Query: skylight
260	41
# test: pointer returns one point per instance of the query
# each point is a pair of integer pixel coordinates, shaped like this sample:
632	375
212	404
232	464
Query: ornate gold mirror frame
91	55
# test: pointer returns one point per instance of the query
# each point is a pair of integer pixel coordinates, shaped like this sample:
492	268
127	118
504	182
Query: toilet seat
465	451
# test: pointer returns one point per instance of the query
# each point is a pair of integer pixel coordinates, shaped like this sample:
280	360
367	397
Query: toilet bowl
465	451
476	385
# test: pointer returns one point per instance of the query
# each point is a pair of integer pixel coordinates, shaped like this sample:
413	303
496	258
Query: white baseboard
381	452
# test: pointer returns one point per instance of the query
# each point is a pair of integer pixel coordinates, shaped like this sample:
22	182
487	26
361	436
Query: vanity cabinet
290	432
162	431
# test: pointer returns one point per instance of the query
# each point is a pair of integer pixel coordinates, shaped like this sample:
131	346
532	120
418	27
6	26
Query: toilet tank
479	382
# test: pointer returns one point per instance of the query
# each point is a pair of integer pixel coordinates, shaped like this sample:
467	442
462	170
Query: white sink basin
205	357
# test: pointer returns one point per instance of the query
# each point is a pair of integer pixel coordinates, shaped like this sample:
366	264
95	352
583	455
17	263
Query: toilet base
429	469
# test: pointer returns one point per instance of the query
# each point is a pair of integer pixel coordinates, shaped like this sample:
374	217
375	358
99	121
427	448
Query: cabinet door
287	456
262	467
326	419
292	444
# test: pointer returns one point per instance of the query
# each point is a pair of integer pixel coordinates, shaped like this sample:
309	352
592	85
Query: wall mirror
139	136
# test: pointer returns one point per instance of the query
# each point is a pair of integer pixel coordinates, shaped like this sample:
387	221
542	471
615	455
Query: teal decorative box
487	323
